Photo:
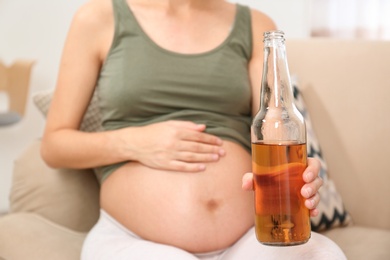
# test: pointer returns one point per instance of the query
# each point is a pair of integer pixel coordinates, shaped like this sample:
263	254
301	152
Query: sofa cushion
331	206
66	197
362	243
30	236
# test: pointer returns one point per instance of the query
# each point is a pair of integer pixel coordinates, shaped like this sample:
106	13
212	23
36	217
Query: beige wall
36	30
32	30
291	16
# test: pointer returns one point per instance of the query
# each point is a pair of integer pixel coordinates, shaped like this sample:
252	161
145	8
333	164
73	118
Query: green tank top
141	83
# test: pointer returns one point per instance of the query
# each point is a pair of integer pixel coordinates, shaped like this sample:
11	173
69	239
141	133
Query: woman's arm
63	145
260	24
185	146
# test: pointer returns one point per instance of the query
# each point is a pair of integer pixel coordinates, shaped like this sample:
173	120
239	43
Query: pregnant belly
198	212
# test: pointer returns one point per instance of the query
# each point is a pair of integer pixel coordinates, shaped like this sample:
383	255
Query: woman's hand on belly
174	145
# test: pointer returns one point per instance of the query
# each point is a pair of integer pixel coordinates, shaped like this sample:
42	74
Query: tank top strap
243	29
125	22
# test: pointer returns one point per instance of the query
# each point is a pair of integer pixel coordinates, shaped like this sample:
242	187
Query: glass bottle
279	155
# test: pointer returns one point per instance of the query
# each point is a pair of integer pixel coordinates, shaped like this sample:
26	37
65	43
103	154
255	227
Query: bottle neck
276	88
278	121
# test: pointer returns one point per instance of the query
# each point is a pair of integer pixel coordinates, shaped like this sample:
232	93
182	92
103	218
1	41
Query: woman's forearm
68	148
170	145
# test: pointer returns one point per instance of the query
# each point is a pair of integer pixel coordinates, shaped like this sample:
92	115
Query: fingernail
221	152
309	204
309	192
309	176
247	178
245	181
202	167
314	212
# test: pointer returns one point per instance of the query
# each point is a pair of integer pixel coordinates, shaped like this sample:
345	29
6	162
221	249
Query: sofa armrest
366	197
67	197
360	174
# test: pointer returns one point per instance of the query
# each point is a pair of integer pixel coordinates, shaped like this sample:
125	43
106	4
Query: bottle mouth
274	35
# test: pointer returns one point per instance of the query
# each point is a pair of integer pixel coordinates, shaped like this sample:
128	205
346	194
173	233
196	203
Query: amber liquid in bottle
279	156
281	216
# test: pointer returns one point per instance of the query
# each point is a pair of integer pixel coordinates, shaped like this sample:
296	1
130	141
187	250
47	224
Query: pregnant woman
178	82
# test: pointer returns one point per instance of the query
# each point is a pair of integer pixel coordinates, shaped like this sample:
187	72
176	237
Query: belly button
212	205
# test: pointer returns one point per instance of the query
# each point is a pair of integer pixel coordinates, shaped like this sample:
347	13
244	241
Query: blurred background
37	29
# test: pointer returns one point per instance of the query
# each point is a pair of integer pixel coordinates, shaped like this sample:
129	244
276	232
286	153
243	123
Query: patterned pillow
91	121
331	207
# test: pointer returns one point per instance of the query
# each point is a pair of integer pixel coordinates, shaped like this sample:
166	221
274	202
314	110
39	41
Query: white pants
110	240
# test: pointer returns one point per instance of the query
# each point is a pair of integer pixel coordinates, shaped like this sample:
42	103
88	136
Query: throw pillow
331	207
91	121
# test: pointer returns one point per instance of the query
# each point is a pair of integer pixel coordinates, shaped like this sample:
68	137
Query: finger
247	181
200	137
191	157
312	202
188	125
310	189
197	147
314	212
186	167
312	170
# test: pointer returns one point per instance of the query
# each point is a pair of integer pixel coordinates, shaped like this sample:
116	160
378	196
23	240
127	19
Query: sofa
346	90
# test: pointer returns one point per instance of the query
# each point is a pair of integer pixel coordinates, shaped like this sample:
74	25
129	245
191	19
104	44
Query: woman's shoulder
261	22
94	13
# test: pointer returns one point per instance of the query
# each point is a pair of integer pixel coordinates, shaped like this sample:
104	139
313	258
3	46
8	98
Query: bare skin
188	191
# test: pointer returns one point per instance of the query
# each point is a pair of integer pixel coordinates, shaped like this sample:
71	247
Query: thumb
247	181
189	125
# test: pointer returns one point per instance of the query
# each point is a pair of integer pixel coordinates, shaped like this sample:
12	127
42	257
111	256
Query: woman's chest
159	83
